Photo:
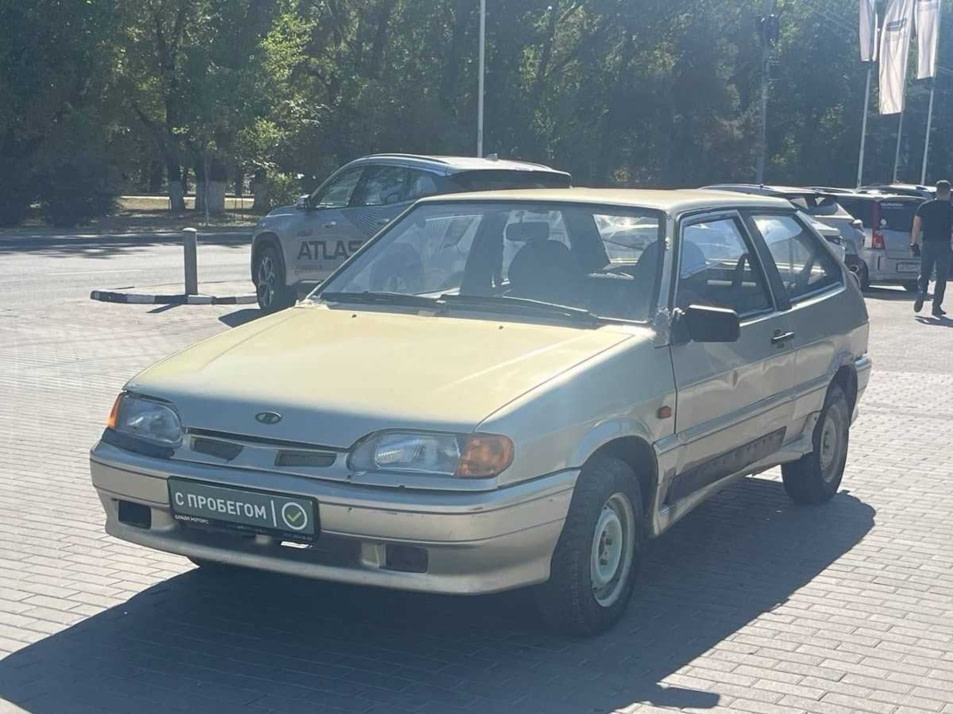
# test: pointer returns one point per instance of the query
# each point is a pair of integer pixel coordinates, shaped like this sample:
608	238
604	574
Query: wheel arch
258	244
846	378
638	455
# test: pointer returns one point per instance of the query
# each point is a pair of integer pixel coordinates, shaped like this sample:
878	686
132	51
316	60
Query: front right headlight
148	419
433	453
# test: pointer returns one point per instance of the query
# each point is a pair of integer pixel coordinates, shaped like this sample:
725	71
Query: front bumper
475	542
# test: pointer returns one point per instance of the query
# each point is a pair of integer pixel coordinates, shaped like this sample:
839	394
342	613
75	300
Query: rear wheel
814	479
862	274
597	556
270	288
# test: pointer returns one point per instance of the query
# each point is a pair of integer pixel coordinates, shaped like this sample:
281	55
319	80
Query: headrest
527	231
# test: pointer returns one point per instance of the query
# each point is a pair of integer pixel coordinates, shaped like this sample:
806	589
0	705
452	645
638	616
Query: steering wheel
399	270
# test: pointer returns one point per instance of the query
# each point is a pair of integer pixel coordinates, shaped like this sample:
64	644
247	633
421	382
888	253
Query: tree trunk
176	192
259	189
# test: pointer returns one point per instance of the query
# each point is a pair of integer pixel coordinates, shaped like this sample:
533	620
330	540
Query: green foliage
283	190
72	174
631	92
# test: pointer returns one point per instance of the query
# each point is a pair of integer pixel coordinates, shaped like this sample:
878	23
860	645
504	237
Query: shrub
74	176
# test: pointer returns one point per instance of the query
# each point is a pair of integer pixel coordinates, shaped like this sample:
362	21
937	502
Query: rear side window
861	209
422	184
382	186
500	180
805	266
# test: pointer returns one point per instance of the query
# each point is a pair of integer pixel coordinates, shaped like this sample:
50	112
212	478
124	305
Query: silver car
888	223
303	244
551	377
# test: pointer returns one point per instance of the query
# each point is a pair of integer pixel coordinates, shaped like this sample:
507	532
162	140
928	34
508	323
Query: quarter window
804	264
716	268
337	194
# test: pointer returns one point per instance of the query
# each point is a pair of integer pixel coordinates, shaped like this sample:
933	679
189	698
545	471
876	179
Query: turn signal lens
114	412
485	455
877	241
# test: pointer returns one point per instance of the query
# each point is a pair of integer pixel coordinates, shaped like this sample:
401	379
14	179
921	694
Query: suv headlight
461	455
147	419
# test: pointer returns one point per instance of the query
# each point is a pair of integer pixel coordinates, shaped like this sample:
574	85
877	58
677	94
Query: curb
140	299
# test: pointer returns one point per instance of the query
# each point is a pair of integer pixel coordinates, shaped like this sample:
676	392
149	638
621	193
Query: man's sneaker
918	303
938	312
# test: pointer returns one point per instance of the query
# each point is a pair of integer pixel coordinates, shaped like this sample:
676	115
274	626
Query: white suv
304	243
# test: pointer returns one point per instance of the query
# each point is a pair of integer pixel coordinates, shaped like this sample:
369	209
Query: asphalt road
37	269
750	604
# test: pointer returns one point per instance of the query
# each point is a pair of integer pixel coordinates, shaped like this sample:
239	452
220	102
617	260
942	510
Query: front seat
543	269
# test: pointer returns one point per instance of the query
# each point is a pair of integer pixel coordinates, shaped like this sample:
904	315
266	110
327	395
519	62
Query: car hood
336	375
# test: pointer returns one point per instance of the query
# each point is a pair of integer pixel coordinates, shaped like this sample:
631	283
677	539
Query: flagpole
481	70
896	156
863	128
926	143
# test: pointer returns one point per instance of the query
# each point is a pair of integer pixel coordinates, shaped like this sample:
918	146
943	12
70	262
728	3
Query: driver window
716	268
804	265
337	194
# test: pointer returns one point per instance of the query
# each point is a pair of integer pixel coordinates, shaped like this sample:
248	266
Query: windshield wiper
381	298
508	304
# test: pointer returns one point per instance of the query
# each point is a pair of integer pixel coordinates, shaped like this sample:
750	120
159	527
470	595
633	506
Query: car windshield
601	261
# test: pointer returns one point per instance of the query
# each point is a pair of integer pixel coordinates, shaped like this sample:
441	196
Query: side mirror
302	203
700	323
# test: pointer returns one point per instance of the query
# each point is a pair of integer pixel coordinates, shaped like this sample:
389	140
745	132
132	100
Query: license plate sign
205	505
908	268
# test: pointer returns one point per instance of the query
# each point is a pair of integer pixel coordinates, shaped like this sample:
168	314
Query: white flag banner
868	30
928	35
894	48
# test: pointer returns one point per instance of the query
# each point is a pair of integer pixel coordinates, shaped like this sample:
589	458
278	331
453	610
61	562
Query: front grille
224	450
300	459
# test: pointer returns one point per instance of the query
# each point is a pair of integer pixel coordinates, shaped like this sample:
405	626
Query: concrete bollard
190	241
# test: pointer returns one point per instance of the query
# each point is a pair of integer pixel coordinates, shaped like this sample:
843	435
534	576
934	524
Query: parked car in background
304	243
822	207
888	223
545	379
901	189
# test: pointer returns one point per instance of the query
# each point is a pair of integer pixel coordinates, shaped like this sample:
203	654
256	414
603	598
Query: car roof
447	165
669	201
762	189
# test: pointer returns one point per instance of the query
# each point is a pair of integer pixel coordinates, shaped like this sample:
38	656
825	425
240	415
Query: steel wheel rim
266	281
829	447
610	555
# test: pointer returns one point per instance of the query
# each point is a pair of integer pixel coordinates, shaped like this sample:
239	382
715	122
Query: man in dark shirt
934	222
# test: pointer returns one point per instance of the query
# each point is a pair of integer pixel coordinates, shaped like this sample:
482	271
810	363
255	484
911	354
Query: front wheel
597	556
270	288
814	479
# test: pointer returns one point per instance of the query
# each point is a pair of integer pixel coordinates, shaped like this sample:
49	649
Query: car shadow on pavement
241	317
245	641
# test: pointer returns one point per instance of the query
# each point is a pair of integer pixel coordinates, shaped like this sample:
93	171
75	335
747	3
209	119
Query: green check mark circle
294	516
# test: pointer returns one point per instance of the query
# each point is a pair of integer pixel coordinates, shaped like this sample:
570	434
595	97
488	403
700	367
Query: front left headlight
437	454
147	419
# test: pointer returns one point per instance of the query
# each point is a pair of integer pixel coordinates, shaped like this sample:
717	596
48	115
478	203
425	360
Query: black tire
862	274
569	603
269	278
814	479
911	286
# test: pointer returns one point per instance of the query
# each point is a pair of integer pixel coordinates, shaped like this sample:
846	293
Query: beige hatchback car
502	390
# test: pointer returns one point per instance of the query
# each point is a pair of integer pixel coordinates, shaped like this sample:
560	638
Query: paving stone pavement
749	605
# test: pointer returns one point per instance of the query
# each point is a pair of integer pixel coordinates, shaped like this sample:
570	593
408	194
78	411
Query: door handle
781	337
332	224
